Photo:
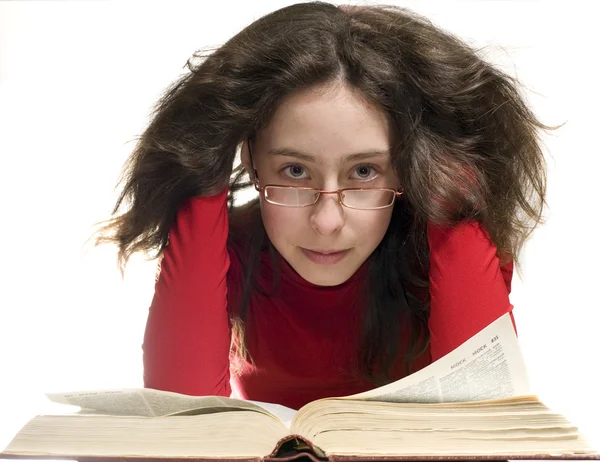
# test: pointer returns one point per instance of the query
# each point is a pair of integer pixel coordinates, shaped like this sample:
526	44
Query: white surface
77	80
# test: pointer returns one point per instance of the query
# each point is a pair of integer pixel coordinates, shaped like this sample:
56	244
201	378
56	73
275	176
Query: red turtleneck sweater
302	338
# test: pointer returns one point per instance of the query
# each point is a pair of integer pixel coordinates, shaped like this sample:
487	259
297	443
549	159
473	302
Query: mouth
325	256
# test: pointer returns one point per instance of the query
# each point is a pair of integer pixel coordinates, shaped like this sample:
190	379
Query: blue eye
364	172
294	171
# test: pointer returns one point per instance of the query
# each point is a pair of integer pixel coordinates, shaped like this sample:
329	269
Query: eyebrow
308	158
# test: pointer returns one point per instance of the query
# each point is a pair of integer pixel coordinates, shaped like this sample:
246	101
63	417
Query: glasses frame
339	192
318	192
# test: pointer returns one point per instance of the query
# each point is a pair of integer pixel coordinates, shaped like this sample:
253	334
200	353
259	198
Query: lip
325	257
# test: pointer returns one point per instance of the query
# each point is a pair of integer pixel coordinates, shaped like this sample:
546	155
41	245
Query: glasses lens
292	197
368	198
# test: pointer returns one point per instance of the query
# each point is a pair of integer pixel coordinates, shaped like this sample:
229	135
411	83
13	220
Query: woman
398	176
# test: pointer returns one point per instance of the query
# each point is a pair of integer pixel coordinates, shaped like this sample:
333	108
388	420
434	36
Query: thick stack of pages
472	404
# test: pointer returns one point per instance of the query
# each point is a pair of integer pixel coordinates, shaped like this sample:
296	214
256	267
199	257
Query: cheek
280	222
372	228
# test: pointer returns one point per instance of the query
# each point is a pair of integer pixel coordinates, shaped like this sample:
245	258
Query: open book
473	403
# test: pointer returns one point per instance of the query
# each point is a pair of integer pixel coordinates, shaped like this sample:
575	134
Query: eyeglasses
353	198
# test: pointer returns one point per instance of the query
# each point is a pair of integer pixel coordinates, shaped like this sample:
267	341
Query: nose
327	215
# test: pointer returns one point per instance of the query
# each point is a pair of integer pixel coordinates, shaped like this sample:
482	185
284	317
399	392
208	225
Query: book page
285	414
487	366
149	402
225	435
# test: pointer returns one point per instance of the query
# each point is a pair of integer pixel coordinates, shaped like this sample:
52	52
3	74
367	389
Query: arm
468	288
186	342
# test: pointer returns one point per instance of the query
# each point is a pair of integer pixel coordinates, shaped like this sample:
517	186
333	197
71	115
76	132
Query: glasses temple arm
254	174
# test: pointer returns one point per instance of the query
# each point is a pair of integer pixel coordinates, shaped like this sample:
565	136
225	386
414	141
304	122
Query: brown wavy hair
465	147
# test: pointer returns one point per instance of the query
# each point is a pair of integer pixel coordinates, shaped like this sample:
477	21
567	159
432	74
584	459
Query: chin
323	273
327	282
330	278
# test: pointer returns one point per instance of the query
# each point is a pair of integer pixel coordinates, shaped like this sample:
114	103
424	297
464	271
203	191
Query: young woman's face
308	143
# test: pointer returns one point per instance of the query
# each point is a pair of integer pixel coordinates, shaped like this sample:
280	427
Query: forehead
326	124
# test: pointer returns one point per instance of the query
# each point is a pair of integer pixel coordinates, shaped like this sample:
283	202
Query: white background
77	81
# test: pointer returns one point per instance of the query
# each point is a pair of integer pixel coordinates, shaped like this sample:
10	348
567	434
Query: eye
294	171
365	172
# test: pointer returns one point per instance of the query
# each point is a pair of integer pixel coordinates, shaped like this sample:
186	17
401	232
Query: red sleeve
186	342
468	288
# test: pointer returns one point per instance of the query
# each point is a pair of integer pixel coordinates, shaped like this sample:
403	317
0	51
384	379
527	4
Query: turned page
487	366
